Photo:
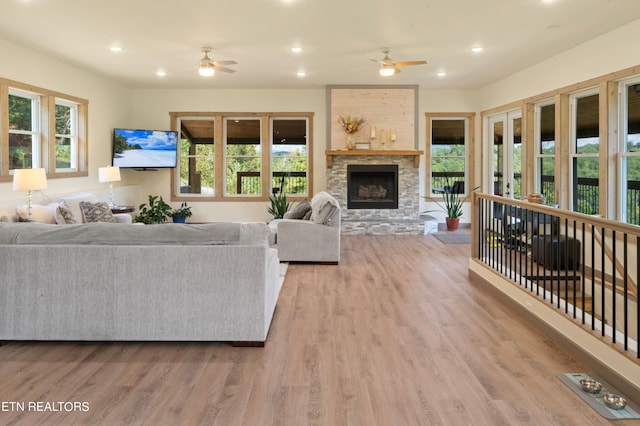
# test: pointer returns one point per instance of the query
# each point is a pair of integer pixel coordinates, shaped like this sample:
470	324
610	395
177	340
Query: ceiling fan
208	67
388	67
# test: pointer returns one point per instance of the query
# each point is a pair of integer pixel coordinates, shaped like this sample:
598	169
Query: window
24	130
66	114
448	140
585	152
546	150
242	156
289	156
630	152
196	166
42	129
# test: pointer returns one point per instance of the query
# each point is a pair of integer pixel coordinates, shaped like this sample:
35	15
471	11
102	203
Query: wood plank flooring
393	335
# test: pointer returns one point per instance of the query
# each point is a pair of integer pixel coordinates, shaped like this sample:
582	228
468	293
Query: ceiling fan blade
396	71
223	69
224	62
407	63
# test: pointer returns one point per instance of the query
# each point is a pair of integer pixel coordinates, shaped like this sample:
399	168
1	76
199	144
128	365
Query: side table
122	209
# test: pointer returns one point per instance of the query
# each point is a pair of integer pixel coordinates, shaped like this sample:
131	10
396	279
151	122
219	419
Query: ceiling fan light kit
388	67
208	67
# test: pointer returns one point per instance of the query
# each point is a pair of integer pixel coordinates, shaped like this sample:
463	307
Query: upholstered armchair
316	239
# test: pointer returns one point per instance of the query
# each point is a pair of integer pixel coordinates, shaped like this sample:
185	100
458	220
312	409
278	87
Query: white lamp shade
29	179
109	174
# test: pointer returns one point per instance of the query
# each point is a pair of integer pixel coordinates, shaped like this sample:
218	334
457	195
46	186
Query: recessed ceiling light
296	49
301	73
477	49
116	49
442	74
161	73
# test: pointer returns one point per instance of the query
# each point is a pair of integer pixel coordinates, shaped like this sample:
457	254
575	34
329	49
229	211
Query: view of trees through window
289	156
65	135
37	117
23	127
630	163
586	148
242	150
448	151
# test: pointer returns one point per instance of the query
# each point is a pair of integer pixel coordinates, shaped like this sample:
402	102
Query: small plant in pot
181	214
157	211
451	204
279	204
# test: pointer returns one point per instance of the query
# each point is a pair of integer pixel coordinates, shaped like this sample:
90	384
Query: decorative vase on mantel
351	141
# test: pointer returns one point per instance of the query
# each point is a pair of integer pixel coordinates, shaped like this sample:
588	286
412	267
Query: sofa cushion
324	208
96	212
119	234
64	215
73	202
299	211
39	213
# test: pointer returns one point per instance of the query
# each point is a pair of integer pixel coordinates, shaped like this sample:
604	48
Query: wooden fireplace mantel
330	153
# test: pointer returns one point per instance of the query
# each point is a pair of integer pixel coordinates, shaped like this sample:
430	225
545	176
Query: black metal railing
289	182
585	267
586	194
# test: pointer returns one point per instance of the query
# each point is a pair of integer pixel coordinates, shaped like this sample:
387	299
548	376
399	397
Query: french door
505	171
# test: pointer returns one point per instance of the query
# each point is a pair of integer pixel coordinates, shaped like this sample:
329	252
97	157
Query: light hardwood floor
393	335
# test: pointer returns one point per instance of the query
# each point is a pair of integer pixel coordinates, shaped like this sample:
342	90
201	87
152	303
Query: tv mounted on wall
144	149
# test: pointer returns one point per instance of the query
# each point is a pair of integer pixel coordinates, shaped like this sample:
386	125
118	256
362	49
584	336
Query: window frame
72	136
537	154
469	120
219	192
308	152
621	147
44	152
574	156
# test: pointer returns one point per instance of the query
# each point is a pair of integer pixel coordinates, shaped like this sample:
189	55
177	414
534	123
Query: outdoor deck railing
290	182
585	267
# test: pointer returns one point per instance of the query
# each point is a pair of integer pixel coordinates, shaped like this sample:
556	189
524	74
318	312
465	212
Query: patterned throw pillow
96	212
64	215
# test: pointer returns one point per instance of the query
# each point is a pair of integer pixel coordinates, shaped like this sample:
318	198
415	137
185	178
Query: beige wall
109	107
608	53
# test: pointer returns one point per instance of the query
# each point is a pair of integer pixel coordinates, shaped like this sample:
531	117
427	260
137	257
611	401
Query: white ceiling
339	37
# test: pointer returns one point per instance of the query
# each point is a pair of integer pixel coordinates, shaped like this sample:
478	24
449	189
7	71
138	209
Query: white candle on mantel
393	135
373	132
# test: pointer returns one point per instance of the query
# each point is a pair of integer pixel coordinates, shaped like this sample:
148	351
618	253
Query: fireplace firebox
372	186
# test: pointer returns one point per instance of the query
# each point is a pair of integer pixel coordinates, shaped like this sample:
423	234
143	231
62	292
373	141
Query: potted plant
181	214
451	204
279	204
156	212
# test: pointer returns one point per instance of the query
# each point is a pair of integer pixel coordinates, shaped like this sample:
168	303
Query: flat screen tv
144	149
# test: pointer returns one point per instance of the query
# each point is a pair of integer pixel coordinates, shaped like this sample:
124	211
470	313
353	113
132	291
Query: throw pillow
39	213
299	210
73	202
64	215
96	212
323	208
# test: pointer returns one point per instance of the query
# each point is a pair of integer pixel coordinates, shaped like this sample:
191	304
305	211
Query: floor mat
451	237
572	380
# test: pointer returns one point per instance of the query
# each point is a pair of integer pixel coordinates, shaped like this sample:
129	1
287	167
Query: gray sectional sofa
106	281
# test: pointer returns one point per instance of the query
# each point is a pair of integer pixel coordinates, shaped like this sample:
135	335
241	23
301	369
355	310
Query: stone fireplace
371	210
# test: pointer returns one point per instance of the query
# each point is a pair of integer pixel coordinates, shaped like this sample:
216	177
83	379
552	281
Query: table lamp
109	174
29	180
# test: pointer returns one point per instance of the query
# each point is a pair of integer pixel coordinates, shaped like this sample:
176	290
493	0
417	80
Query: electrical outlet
529	305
